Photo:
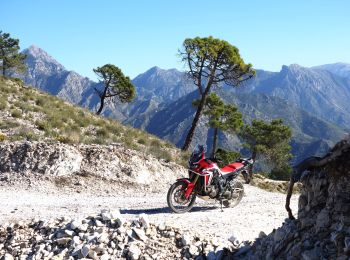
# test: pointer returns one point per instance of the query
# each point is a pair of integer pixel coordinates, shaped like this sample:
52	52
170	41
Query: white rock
76	240
106	216
193	250
104	257
75	224
104	238
161	227
143	218
92	254
186	239
141	234
69	232
232	239
134	252
98	223
85	250
8	257
115	213
63	240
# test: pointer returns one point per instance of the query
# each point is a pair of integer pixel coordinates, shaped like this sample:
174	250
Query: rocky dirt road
258	211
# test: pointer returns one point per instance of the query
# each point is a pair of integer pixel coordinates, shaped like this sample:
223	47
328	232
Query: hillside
28	114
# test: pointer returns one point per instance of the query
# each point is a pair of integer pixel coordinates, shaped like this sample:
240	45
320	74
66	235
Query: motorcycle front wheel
176	198
237	192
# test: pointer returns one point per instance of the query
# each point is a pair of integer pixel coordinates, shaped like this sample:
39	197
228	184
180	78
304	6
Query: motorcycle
207	181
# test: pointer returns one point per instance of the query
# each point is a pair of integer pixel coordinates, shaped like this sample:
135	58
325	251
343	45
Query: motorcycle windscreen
196	154
232	167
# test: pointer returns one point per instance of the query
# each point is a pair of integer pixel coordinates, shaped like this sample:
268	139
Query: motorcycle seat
231	167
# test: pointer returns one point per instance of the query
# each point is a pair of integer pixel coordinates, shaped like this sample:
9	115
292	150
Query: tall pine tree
270	139
10	57
211	62
221	116
116	86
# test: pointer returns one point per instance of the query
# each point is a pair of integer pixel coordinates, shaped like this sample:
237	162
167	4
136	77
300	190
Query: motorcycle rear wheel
176	198
237	190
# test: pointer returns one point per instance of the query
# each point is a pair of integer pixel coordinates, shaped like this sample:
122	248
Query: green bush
3	104
281	174
41	101
102	132
18	81
3	137
225	156
160	153
142	141
71	138
8	124
27	133
16	113
43	125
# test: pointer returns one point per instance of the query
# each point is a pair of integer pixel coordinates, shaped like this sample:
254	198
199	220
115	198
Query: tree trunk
215	140
254	154
3	68
251	168
189	136
102	103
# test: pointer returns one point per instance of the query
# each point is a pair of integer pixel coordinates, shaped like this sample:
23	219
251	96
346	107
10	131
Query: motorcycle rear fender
189	187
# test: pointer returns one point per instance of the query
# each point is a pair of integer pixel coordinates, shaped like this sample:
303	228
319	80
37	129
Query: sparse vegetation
16	113
2	137
262	182
3	104
52	119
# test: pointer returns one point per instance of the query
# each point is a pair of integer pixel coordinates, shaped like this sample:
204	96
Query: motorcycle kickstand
221	206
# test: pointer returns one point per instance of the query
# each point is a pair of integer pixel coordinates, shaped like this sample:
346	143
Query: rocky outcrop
322	229
104	236
112	162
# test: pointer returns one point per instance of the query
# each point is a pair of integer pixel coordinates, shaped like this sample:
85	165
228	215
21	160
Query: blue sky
136	35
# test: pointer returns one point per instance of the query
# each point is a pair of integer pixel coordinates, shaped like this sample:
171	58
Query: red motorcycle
207	181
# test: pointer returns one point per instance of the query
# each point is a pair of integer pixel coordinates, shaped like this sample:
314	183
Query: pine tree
212	62
222	117
116	86
10	57
270	140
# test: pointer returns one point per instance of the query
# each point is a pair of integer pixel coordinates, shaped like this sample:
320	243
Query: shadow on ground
164	210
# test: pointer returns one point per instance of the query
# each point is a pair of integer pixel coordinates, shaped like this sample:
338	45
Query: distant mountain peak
34	52
340	68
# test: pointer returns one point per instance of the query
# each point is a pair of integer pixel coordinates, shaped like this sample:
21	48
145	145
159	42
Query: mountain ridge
313	90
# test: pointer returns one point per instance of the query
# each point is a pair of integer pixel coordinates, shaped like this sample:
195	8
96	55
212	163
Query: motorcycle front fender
189	186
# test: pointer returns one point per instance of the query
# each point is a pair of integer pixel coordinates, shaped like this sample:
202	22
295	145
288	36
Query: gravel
258	211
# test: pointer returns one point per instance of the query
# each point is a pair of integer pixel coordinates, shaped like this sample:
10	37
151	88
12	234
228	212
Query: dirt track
258	211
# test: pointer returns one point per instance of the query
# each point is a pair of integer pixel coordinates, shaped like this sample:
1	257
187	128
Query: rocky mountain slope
311	135
322	229
341	69
28	114
318	92
125	168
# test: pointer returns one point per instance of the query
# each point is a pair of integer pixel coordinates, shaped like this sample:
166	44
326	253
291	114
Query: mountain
311	135
313	101
318	92
45	73
163	85
341	69
155	88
